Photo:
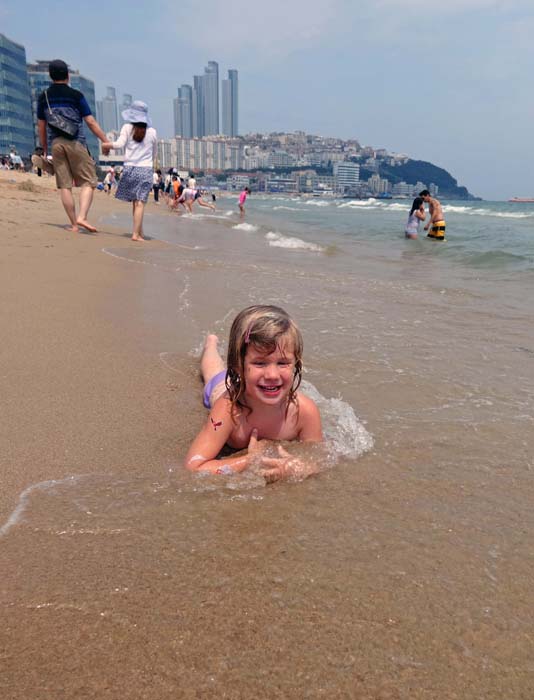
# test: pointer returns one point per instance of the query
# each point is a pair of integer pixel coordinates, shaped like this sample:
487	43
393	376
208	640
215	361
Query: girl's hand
284	466
255	447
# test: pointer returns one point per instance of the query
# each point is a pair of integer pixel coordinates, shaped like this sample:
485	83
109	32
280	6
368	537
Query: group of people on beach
61	115
13	161
436	225
253	398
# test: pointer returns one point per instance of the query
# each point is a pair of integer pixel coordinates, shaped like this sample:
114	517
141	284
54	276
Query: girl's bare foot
211	341
138	238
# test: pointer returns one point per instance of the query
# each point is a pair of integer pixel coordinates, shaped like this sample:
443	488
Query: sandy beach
72	374
402	573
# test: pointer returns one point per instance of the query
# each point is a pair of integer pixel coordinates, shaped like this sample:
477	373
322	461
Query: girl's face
269	377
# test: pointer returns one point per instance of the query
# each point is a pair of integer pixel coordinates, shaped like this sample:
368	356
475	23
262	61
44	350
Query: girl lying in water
255	399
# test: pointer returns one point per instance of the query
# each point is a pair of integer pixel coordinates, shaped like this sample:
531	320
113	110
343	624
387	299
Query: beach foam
245	227
276	240
318	203
343	432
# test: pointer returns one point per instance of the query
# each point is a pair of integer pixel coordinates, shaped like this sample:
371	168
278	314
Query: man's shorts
437	230
73	164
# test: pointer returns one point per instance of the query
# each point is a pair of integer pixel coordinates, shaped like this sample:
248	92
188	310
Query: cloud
253	32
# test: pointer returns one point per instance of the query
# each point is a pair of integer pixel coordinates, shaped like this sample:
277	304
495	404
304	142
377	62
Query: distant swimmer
437	222
242	200
416	215
198	199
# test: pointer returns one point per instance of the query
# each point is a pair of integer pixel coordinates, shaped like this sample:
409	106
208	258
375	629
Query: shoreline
403	572
69	371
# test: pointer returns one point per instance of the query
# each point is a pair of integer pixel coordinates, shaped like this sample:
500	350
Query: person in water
436	225
242	199
416	215
255	398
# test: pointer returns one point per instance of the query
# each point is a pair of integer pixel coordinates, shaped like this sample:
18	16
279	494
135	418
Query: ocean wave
246	227
282	207
343	432
480	211
276	240
373	204
317	203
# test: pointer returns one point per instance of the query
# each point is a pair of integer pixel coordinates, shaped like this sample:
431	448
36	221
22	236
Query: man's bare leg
86	199
69	206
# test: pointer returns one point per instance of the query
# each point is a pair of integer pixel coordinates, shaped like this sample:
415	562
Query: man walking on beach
61	111
437	222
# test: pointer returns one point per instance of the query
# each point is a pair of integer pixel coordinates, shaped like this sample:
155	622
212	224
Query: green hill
414	171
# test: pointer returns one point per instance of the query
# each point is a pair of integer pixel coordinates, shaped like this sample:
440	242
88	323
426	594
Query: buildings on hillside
291	163
201	154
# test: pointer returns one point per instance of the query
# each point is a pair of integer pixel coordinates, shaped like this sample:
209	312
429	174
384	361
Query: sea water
404	569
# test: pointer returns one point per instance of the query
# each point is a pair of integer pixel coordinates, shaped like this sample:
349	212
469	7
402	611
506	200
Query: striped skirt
135	184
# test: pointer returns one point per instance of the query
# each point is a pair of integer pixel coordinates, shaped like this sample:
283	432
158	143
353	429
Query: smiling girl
255	399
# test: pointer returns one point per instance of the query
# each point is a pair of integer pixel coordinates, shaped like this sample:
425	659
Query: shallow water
402	571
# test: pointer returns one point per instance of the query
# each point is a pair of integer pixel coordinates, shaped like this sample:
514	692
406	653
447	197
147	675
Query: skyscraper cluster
196	108
108	112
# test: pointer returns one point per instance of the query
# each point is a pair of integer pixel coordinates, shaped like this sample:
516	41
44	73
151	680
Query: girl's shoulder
306	405
309	419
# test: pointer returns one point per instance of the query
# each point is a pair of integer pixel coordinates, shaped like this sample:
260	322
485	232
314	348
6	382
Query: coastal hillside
413	171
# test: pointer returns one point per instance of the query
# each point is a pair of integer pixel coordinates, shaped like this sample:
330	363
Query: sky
450	82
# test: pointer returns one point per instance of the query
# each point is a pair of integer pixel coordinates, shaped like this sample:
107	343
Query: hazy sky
450	81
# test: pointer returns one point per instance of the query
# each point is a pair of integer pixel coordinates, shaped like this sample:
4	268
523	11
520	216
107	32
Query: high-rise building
198	106
207	153
210	84
40	80
230	104
107	116
127	100
16	126
346	174
183	112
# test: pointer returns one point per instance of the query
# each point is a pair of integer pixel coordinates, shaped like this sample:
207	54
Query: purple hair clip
247	334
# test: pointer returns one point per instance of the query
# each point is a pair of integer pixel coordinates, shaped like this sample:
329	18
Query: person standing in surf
242	199
436	225
140	142
416	215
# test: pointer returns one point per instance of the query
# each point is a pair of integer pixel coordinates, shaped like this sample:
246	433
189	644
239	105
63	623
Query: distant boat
522	200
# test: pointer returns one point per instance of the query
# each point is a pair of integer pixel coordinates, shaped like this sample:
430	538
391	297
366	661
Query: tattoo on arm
216	424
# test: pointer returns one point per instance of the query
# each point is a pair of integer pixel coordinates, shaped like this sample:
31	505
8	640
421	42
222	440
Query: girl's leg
211	363
205	204
139	210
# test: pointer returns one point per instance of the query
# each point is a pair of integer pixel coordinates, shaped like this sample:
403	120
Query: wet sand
404	574
72	374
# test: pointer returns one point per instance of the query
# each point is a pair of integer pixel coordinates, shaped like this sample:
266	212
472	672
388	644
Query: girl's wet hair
266	328
417	202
